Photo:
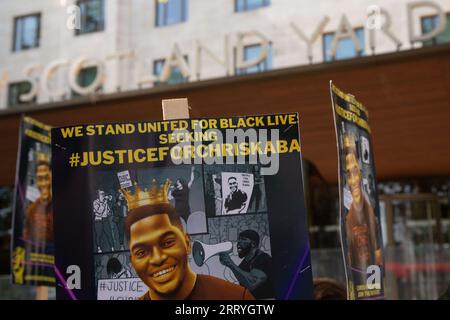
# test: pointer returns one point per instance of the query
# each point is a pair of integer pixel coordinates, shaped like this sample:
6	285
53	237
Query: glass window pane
175	74
157	67
444	37
171	12
254	4
346	47
239	5
26	32
345	50
362	40
83	9
15	90
174	7
92	16
268	62
160	13
247	5
30	26
12	95
91	22
87	76
428	24
253	52
184	10
18	35
327	41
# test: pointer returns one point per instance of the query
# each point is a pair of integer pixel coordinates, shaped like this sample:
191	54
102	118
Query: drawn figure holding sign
180	193
102	214
255	270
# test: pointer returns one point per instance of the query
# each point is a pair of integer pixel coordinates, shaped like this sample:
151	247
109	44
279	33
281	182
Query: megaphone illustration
202	252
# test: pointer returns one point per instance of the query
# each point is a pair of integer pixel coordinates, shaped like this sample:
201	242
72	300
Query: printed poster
32	245
143	210
237	188
359	206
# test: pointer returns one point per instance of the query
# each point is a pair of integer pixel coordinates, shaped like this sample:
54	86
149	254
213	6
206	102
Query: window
85	78
252	52
175	75
429	23
15	90
26	32
170	12
6	208
345	49
92	16
247	5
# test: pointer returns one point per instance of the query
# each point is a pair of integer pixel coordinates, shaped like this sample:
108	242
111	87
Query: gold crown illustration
42	157
349	142
144	197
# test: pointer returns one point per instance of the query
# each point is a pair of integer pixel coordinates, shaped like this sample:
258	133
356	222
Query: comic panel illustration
110	206
116	278
234	189
237	249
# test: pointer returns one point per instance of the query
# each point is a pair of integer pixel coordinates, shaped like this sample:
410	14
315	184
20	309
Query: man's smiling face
354	177
159	253
44	181
232	182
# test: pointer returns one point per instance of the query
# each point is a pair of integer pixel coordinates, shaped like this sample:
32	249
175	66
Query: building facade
71	62
59	50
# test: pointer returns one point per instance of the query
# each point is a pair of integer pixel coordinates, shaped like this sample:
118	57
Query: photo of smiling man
360	222
159	248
